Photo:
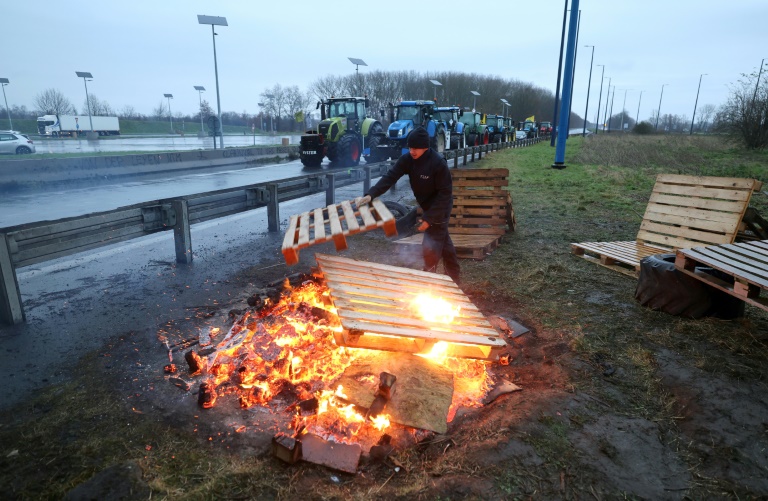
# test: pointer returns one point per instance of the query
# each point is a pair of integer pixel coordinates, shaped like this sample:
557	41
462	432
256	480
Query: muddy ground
617	401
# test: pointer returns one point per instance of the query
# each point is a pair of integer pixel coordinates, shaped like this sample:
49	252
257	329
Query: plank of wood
349	217
697	203
336	232
466	314
290	234
319	225
303	229
365	213
381	267
698	192
413	332
388	222
701	255
715	181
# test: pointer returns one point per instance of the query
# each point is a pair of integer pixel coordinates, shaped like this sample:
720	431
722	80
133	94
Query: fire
434	309
283	358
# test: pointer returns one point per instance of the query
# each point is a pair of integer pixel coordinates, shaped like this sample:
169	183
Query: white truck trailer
67	125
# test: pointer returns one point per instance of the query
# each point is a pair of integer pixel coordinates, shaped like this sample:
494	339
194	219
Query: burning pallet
373	302
334	222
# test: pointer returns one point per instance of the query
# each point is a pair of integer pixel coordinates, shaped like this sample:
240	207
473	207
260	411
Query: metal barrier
31	243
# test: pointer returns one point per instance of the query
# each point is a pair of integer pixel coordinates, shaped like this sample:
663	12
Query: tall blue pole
570	55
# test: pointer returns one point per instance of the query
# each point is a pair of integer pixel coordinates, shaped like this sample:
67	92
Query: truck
450	115
68	125
344	134
475	129
406	116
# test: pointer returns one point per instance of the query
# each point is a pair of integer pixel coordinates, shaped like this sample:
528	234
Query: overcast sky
139	50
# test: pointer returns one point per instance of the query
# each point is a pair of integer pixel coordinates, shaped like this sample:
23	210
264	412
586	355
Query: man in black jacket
432	185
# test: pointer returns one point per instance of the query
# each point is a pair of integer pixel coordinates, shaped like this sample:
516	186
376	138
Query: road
159	143
27	207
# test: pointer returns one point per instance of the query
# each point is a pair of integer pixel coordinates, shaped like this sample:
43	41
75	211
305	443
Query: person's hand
423	226
364	200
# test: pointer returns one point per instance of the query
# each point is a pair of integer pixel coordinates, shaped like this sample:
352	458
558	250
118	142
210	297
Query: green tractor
475	130
344	134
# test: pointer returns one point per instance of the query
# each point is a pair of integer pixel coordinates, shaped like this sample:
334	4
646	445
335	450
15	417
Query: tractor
509	129
495	125
404	117
450	116
475	129
344	134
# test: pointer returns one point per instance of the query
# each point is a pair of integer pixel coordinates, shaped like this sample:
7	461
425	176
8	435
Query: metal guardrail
31	243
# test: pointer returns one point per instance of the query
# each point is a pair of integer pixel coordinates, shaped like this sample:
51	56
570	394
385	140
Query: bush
643	128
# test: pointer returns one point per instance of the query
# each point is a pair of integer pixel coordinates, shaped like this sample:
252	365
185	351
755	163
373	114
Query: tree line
287	108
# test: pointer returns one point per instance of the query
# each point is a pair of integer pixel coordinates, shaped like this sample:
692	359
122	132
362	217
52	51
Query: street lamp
84	75
589	86
357	62
271	122
170	115
697	102
504	103
474	99
607	95
436	84
200	89
215	21
4	82
658	112
637	117
600	99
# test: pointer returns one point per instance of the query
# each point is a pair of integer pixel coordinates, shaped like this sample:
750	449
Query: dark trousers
438	244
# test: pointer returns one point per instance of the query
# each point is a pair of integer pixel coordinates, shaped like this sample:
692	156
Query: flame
434	309
283	356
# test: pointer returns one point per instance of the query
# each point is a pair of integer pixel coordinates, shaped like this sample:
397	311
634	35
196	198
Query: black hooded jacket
430	181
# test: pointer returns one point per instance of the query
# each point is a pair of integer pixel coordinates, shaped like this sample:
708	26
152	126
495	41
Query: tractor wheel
472	141
373	140
348	151
485	137
332	151
440	143
455	142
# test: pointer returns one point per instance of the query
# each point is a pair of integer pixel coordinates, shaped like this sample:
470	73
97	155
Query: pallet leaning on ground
372	302
682	212
745	263
334	222
482	212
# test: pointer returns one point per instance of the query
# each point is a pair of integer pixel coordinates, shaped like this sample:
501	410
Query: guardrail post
367	181
473	154
11	309
182	237
273	209
330	192
456	159
465	156
480	152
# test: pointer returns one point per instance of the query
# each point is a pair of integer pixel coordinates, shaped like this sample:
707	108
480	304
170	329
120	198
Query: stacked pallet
482	212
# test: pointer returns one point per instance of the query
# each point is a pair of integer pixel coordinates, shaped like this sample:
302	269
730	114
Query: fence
31	243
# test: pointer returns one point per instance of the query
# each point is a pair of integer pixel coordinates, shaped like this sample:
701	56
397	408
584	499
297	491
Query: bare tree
53	102
705	115
745	116
160	111
98	107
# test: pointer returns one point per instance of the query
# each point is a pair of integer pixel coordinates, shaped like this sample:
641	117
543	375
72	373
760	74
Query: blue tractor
404	117
450	115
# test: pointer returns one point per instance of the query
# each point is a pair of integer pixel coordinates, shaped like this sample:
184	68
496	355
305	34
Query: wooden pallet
334	222
481	215
682	212
747	263
372	303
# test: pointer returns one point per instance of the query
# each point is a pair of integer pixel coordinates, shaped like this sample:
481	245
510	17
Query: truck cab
406	116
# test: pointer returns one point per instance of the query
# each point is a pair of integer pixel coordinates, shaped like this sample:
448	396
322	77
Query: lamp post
357	62
559	75
271	122
200	89
474	99
607	95
658	112
436	84
697	102
610	115
504	103
600	99
4	82
170	115
263	125
215	21
637	117
84	75
589	86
